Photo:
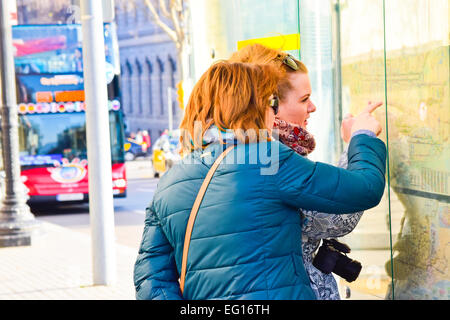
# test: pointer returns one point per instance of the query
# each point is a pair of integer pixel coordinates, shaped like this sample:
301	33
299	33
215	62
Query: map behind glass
415	89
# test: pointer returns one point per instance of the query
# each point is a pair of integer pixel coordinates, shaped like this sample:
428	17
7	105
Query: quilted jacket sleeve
155	272
318	186
318	225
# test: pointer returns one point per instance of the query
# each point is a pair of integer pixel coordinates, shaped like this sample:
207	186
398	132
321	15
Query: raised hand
366	121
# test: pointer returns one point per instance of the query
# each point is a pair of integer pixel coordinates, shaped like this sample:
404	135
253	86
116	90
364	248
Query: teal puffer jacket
246	241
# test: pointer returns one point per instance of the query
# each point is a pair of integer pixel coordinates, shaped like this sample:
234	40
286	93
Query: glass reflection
393	51
417	66
362	80
400	54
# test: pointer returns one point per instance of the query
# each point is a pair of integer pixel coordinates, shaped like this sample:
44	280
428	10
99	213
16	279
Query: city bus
52	120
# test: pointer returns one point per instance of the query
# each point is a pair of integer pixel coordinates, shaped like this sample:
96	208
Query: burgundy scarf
295	137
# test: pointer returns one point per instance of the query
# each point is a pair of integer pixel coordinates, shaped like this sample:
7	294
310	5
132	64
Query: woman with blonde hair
219	226
295	107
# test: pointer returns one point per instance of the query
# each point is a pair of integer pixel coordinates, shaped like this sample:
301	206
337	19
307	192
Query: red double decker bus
52	120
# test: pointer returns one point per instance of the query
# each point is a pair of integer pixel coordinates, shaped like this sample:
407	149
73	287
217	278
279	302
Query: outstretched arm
322	187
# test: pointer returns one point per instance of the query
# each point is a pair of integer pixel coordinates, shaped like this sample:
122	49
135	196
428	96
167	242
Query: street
129	212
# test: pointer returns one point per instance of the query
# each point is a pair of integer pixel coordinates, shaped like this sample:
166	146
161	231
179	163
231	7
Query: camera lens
347	268
325	259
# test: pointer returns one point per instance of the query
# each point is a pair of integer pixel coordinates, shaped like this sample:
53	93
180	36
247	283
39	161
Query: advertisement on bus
52	124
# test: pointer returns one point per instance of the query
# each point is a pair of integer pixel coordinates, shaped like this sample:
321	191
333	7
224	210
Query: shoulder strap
193	215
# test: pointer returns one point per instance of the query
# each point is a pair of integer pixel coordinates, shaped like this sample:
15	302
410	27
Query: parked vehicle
134	149
165	152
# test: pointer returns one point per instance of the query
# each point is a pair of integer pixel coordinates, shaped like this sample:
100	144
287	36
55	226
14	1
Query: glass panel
361	61
316	54
417	66
221	27
274	23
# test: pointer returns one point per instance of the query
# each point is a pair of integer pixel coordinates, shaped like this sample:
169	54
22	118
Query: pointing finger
372	106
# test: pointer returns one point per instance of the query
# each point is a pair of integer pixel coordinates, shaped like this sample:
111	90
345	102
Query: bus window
49	137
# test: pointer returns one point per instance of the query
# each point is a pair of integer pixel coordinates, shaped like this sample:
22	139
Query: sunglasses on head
290	62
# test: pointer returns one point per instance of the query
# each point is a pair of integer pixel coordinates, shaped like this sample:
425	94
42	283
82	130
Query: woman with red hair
222	226
295	108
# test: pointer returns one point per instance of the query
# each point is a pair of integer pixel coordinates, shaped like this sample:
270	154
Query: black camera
330	258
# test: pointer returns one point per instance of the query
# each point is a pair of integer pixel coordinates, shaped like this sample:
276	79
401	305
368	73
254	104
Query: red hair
231	96
259	54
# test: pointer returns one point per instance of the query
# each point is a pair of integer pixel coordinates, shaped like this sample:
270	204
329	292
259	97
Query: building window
131	15
124	84
129	86
150	84
139	87
161	85
173	70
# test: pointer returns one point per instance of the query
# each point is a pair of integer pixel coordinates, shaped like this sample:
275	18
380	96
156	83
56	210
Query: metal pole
169	106
101	207
338	80
17	223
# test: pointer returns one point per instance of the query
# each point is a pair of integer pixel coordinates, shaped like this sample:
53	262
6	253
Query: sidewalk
58	266
139	169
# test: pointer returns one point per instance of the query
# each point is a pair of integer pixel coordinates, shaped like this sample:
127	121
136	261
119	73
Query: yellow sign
283	42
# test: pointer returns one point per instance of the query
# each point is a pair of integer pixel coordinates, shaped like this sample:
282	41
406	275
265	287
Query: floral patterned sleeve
318	225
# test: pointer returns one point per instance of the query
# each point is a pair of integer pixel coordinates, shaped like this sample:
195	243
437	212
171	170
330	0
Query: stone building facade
148	68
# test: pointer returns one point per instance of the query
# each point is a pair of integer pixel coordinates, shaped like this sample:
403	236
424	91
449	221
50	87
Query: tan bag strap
193	215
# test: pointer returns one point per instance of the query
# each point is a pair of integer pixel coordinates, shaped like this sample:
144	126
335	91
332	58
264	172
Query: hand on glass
365	120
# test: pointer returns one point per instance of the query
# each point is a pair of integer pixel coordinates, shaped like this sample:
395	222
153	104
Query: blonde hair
260	54
231	96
